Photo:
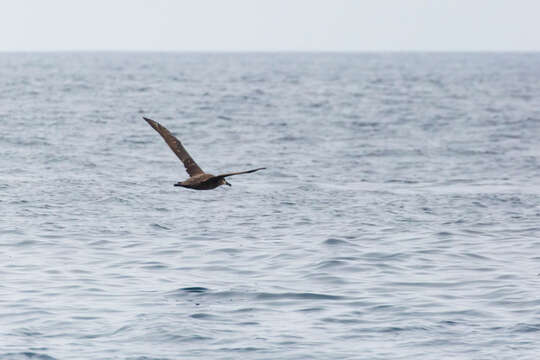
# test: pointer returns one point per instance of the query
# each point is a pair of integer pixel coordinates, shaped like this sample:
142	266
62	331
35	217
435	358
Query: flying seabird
199	180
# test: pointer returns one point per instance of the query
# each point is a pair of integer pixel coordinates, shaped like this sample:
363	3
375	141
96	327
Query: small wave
161	227
444	234
365	124
331	264
194	289
305	296
334	242
526	328
312	309
26	355
26	243
154	265
203	316
342	321
242	349
401	181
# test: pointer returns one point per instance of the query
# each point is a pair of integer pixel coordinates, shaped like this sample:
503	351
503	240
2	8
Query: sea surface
398	217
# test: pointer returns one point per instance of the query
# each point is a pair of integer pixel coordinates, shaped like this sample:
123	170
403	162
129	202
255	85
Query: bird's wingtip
151	122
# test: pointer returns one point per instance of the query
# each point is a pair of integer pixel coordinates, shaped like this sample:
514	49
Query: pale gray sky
270	25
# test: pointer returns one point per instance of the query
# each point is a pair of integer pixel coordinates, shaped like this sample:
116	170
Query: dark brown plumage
199	180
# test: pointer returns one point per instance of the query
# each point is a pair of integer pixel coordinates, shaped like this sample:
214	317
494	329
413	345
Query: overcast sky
270	25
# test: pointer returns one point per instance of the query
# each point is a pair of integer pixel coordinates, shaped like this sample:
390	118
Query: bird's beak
226	183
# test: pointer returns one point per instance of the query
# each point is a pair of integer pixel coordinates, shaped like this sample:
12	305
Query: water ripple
397	218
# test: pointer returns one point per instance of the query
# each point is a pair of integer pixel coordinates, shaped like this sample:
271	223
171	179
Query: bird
198	180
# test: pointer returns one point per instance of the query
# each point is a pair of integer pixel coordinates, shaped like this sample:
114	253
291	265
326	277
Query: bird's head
224	182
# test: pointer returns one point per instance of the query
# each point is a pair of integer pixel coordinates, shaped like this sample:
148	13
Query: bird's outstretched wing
240	172
176	146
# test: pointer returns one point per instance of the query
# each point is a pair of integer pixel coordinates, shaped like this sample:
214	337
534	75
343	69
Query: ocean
398	217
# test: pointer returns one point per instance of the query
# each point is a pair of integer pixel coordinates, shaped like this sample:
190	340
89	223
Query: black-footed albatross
199	180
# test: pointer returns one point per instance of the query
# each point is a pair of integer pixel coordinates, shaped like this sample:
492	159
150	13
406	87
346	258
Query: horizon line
259	51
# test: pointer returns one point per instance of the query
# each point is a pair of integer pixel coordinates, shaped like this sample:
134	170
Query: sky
270	25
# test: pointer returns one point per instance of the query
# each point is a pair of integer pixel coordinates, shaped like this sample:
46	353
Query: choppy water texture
399	217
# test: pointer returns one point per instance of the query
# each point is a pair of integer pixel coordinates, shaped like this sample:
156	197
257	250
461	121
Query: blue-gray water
398	218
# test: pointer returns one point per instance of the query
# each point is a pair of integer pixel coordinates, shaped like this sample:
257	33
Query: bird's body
199	180
202	182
